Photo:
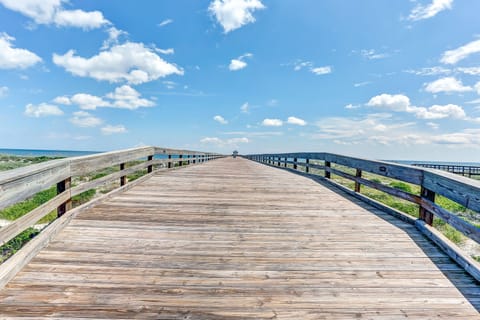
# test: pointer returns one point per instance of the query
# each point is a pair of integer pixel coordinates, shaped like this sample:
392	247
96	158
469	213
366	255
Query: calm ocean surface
47	153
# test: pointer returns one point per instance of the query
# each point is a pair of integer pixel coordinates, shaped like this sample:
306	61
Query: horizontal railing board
84	165
378	186
10	231
30	181
167	151
457	188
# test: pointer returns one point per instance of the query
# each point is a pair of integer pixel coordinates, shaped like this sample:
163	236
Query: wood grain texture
234	239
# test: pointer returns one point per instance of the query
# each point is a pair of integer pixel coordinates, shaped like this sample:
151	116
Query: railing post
426	215
295	163
194	158
180	162
188	160
150	167
123	179
63	186
169	164
327	173
307	168
358	174
285	163
278	161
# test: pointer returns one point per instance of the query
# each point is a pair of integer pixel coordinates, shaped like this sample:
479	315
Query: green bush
401	186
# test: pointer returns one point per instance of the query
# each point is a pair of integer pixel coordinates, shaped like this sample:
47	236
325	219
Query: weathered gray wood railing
463	191
468	171
19	184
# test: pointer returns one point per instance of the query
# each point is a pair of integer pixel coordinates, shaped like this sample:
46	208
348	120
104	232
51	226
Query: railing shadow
457	277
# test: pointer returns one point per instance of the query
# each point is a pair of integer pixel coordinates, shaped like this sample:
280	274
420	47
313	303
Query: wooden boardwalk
234	239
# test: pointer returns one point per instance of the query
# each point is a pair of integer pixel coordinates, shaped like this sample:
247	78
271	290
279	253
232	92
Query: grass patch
8	249
19	209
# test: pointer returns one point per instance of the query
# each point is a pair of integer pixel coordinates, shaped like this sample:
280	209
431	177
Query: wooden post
123	179
426	215
327	173
307	168
169	162
194	158
295	163
188	160
150	167
358	174
63	186
285	163
180	163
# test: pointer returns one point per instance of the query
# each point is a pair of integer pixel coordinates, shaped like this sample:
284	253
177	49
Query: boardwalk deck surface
233	239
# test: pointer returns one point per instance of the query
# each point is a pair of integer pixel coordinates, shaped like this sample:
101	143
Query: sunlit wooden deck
234	239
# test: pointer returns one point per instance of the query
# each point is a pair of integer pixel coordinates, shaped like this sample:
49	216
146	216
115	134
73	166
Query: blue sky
373	78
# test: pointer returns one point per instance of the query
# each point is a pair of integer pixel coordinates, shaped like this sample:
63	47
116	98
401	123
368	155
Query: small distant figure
235	154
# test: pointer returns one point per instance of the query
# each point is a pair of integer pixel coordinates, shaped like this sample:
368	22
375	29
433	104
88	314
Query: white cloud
233	142
113	35
477	87
52	12
109	129
239	63
236	65
85	120
245	108
397	102
233	14
88	102
371	54
220	119
42	110
361	84
401	103
165	22
429	71
322	70
474	71
433	125
448	85
165	51
15	58
352	106
454	56
272	122
299	65
125	97
296	121
131	62
421	12
63	100
3	91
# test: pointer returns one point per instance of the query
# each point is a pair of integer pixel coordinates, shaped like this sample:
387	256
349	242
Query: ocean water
45	153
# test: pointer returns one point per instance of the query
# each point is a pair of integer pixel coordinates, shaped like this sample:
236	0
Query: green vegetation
12	162
12	246
19	209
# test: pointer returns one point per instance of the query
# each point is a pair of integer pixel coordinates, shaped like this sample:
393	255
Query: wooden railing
19	184
468	171
461	190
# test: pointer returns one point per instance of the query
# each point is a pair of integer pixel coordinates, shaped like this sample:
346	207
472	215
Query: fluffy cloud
321	70
401	103
42	110
272	123
109	129
397	102
52	12
85	120
429	71
3	91
15	58
220	119
233	14
124	97
62	100
448	85
296	121
454	56
113	35
421	12
239	63
131	62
